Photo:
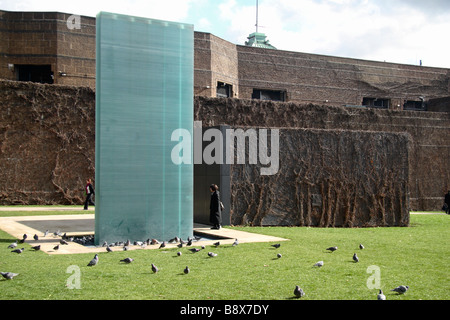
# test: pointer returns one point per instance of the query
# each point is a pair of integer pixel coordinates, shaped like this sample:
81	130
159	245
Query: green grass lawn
417	256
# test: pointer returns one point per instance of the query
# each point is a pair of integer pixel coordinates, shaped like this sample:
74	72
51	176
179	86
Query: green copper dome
257	39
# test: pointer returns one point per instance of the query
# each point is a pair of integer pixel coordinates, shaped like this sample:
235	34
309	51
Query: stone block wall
47	143
429	174
327	178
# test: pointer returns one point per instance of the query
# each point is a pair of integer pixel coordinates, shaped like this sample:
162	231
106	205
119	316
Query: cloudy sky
402	31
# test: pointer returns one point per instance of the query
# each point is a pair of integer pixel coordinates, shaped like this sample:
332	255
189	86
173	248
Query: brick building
59	48
47	47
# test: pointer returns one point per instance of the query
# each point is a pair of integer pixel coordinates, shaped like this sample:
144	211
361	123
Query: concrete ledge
84	224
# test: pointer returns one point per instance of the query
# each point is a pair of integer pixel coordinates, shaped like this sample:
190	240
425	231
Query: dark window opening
274	95
414	105
376	103
34	73
224	90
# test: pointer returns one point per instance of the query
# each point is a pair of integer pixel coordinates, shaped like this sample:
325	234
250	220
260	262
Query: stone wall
47	134
321	79
44	38
327	178
430	134
47	143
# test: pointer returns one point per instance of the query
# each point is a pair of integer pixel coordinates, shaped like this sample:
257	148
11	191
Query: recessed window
224	90
414	105
34	73
274	95
376	103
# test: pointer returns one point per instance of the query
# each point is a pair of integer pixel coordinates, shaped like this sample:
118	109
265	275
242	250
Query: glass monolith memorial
144	92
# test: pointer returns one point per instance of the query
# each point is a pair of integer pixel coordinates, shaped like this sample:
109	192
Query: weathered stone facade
48	39
48	131
222	68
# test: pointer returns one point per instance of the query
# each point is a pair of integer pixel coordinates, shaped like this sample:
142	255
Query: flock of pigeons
298	292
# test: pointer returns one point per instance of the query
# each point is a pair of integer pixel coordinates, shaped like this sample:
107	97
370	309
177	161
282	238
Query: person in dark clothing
89	193
447	203
215	211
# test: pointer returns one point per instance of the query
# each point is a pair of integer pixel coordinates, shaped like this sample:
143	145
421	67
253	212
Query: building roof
258	39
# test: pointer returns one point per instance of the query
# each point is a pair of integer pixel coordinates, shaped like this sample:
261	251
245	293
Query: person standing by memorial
446	206
89	193
215	211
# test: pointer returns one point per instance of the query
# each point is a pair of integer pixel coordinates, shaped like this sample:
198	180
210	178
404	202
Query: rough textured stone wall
430	134
327	178
321	79
47	143
47	135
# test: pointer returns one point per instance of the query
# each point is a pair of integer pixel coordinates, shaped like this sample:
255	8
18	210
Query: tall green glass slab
144	91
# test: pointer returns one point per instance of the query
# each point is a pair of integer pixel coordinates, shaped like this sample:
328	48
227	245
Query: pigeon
401	289
318	264
56	247
235	243
179	253
163	245
361	246
298	292
125	248
12	245
216	244
194	250
23	238
63	242
127	243
186	270
355	257
381	296
332	249
154	241
108	249
189	243
279	255
94	261
154	268
277	245
180	245
35	237
105	244
127	260
18	250
46	233
36	248
212	254
9	275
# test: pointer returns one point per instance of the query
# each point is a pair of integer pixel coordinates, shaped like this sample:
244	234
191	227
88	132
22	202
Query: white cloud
174	10
403	31
396	31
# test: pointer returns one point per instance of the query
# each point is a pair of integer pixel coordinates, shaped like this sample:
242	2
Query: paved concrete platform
84	224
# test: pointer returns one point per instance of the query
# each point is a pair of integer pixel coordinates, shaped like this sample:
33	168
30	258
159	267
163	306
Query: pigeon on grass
298	292
318	264
9	275
12	245
154	268
186	270
401	289
381	296
127	260
94	261
355	258
332	249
